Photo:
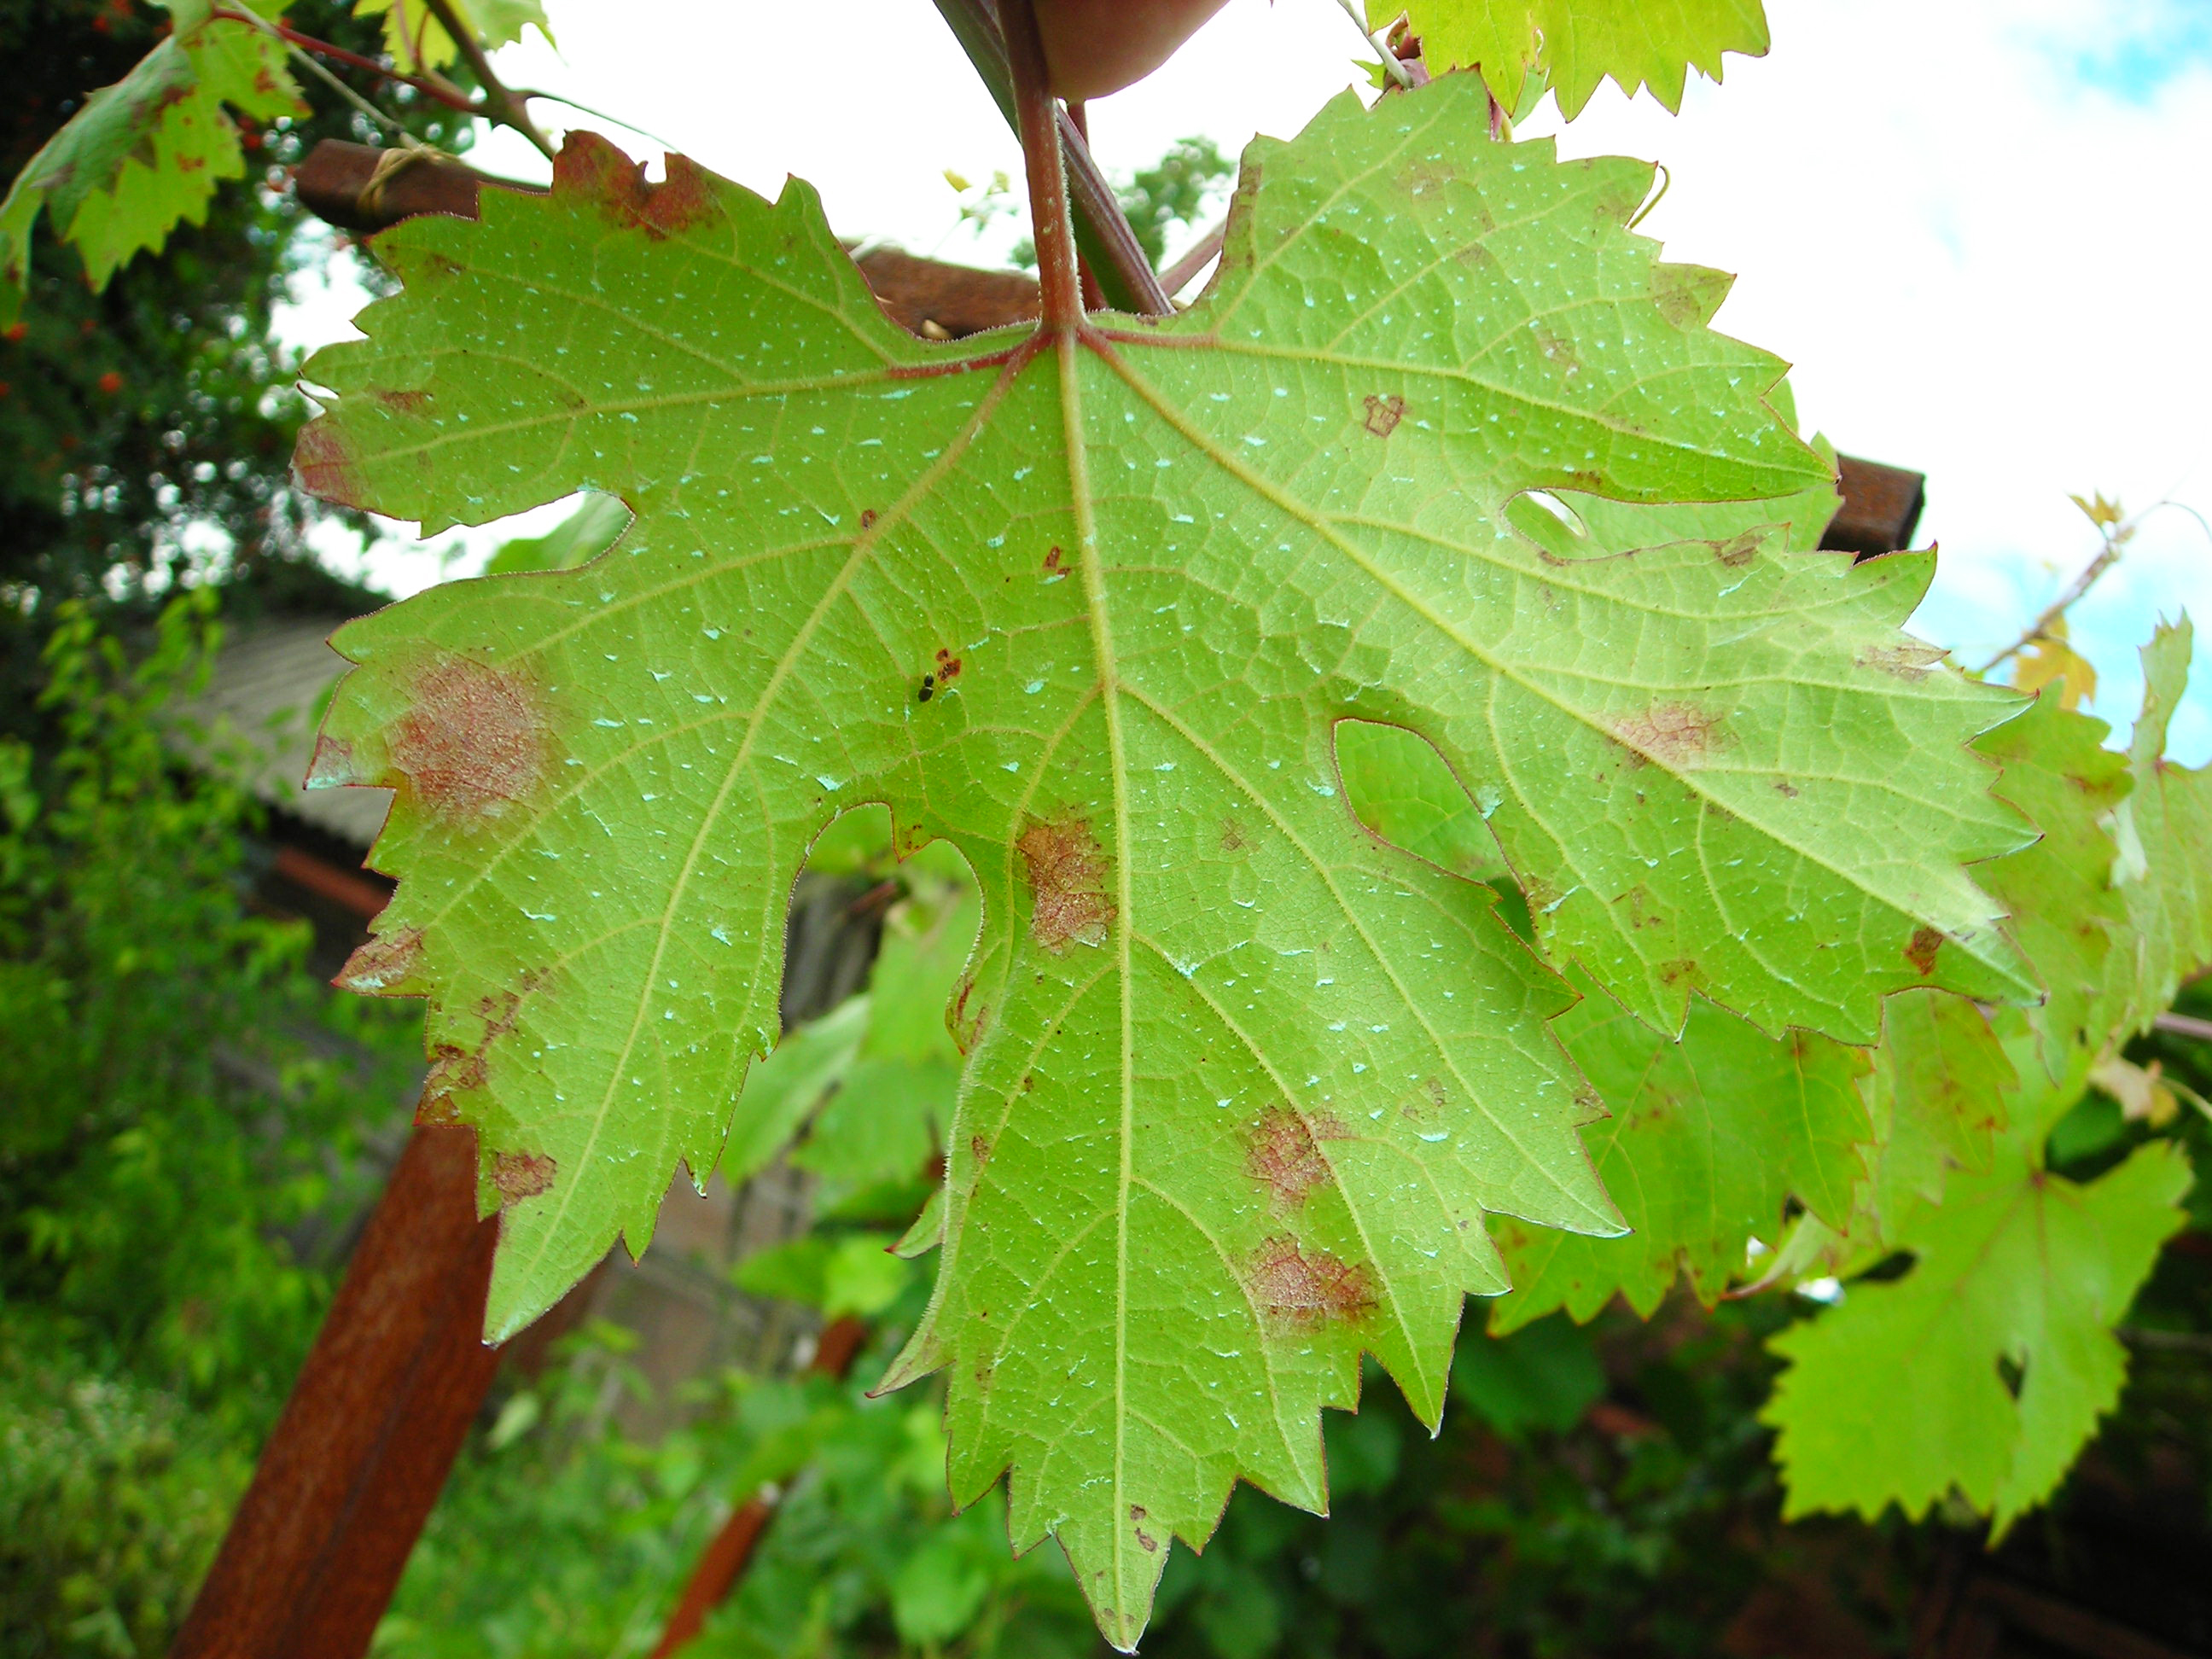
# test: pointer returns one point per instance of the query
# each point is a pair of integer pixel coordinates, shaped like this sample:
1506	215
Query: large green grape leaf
1578	43
1986	1366
1709	1137
146	153
1240	1082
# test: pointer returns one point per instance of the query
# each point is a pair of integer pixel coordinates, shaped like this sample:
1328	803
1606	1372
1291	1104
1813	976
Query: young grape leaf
1937	1095
1240	1084
146	153
418	42
1987	1365
2163	869
2067	914
893	1103
1578	43
1709	1137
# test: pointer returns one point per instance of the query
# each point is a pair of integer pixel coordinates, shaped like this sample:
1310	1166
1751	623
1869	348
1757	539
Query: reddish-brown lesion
589	168
1308	1289
326	464
1282	1152
1921	950
1674	734
1067	870
474	738
383	964
518	1176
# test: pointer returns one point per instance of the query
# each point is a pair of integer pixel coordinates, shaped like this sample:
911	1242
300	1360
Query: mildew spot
1738	550
590	169
1383	413
474	739
1280	1153
1678	735
518	1176
1306	1289
1067	872
1911	661
385	962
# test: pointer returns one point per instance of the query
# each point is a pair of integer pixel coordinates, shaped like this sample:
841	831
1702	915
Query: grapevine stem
291	37
1101	226
500	104
1038	122
1396	71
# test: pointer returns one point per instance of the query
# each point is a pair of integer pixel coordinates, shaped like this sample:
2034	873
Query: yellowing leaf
1578	43
2052	662
418	42
1242	1085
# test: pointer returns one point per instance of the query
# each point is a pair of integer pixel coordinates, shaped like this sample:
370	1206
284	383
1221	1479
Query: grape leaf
1240	1084
2163	869
888	1117
2067	912
1937	1096
1987	1365
418	42
147	152
1709	1136
1578	43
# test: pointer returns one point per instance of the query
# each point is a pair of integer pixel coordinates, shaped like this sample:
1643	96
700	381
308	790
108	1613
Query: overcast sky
1977	228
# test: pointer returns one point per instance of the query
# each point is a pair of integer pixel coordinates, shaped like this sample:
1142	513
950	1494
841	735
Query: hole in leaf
2011	1373
1402	790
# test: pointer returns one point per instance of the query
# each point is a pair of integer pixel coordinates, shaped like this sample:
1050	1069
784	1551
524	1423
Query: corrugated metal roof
270	684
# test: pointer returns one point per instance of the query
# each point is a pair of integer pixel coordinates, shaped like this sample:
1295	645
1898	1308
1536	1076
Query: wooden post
378	1415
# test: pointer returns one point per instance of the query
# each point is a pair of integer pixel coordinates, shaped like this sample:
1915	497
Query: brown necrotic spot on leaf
522	1175
383	962
1145	1540
1911	660
1308	1289
1383	413
1280	1153
1738	550
1921	950
1678	735
1688	295
1067	872
1232	838
590	169
327	466
474	739
406	403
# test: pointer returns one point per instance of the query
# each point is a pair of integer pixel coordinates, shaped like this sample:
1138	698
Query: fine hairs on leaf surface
1240	1082
1575	44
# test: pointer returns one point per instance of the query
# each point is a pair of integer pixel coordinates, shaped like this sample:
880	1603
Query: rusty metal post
396	1375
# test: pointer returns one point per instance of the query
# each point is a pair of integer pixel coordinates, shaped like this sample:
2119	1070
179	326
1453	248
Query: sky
1977	229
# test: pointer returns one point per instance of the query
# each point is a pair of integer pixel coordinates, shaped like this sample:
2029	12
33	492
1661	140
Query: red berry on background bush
111	382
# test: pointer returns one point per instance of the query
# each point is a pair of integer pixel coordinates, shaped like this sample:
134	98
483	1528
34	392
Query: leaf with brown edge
1144	575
